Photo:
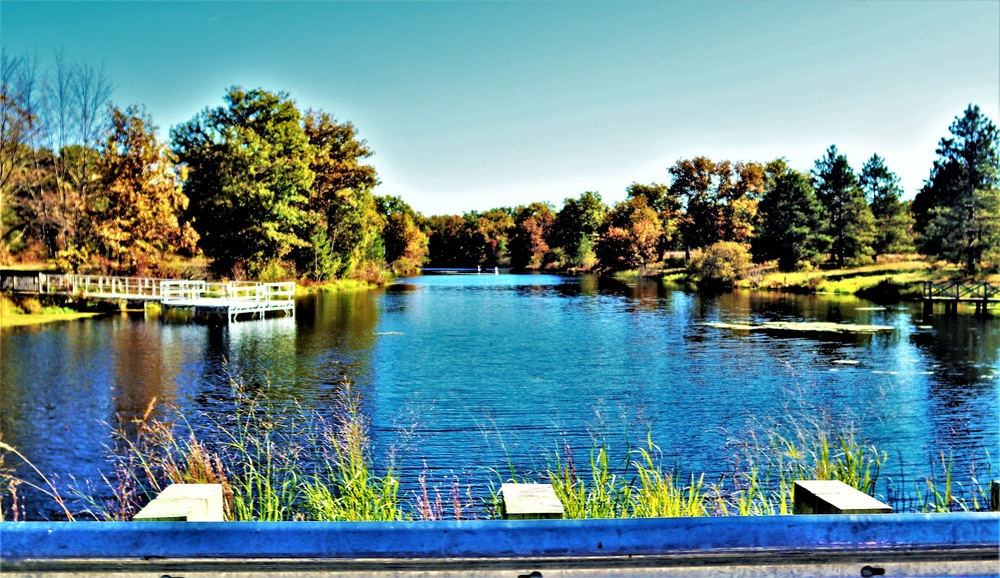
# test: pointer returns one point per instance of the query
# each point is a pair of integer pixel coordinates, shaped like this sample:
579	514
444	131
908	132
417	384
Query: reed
10	482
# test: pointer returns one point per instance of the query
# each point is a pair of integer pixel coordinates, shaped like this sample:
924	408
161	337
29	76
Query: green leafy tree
893	223
630	236
949	209
341	199
140	199
576	228
790	222
848	218
249	179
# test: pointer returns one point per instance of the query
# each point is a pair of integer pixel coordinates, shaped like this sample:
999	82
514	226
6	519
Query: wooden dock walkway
951	293
232	299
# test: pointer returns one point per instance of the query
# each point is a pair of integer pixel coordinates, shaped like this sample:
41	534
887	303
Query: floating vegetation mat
804	327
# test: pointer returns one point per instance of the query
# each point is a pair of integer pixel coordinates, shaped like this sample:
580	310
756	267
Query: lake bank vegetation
275	464
260	187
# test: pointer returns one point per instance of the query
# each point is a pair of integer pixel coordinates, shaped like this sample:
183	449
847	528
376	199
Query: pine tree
893	223
953	207
848	218
790	223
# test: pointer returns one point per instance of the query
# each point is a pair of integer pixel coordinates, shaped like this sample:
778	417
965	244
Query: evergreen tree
893	222
790	223
952	208
848	219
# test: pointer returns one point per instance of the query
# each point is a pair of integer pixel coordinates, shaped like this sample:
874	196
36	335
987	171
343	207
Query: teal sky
473	105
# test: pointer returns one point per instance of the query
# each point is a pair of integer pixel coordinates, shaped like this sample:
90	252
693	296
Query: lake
463	376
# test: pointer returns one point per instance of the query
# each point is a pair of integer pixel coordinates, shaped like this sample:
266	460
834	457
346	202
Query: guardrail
820	545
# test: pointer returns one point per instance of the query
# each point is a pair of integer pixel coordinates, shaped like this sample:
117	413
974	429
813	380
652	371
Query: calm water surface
463	374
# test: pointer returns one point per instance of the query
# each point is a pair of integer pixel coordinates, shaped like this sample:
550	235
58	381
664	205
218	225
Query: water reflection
470	374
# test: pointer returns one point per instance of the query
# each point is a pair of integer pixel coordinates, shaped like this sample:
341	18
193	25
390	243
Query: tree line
721	213
268	190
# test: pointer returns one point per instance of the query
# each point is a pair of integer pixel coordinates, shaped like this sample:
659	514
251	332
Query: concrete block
530	502
185	503
834	497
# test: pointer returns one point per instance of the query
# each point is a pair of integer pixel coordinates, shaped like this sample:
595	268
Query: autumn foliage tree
529	239
630	236
720	199
136	220
405	242
343	222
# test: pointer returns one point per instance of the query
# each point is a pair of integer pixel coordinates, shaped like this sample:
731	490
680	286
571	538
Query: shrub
721	263
31	306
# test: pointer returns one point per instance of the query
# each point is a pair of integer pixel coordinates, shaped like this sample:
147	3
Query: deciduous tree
529	239
405	242
630	236
136	219
576	228
341	196
720	199
249	179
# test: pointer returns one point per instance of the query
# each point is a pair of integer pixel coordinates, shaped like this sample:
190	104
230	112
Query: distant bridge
230	299
951	293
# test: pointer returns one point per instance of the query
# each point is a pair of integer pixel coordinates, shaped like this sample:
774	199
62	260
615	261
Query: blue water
463	376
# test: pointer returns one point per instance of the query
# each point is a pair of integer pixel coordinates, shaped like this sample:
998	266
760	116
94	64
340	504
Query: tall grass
272	466
279	464
9	482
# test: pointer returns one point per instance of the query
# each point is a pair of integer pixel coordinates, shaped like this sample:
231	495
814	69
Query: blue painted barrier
968	536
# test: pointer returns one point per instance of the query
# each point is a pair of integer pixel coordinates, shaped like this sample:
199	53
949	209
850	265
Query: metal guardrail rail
961	544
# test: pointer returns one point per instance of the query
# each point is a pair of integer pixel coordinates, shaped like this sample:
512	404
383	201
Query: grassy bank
32	312
333	286
898	280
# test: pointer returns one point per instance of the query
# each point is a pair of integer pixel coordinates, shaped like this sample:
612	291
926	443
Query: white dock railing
232	298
